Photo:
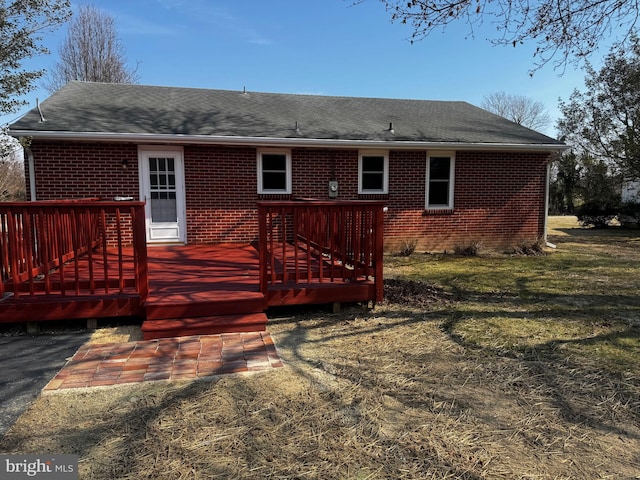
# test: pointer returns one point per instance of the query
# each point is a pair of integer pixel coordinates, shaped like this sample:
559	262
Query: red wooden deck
188	286
310	252
189	272
203	289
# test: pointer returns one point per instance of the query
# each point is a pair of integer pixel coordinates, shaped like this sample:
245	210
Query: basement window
274	172
440	175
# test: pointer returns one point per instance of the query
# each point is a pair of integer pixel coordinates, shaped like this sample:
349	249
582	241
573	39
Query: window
373	172
162	187
440	170
274	172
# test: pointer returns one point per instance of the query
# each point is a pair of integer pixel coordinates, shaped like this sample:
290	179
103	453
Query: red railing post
74	250
13	252
379	253
284	223
4	267
141	263
262	247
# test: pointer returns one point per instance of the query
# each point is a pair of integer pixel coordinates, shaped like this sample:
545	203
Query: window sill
274	196
373	196
438	211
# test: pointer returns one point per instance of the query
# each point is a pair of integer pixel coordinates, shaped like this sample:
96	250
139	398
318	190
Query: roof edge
280	142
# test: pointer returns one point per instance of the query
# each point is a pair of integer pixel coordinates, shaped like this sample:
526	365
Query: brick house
450	173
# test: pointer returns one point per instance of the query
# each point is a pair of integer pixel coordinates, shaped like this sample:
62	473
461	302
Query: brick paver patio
181	358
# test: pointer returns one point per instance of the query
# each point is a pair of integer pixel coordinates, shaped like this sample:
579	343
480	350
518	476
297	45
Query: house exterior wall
65	170
82	170
499	201
499	197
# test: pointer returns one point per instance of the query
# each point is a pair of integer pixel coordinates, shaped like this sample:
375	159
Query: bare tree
517	108
91	52
12	178
567	31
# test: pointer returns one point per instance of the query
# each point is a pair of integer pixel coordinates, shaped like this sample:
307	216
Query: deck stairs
204	313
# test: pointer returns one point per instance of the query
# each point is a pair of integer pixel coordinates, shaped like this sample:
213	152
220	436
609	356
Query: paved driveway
27	364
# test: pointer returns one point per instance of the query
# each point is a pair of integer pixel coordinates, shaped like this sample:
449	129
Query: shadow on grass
582	390
363	382
587	384
589	234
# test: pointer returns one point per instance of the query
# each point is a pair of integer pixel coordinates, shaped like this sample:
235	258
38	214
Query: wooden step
252	322
204	304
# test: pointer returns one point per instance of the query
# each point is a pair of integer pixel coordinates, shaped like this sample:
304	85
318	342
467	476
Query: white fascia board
142	138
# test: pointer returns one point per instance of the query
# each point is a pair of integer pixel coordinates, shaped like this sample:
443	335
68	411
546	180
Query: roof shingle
86	107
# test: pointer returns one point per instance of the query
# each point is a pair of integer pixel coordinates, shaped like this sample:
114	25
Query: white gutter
546	204
277	142
32	173
546	208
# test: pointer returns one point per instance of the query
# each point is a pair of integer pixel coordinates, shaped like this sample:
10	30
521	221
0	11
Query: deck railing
306	242
72	247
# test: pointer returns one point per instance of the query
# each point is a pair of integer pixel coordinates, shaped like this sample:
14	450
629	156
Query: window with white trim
373	172
274	171
440	175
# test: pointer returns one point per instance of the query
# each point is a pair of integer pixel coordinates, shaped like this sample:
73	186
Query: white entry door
162	187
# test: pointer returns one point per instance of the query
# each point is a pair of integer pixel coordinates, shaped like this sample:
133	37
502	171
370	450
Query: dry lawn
489	367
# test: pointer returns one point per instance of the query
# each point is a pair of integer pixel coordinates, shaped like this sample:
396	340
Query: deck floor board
180	275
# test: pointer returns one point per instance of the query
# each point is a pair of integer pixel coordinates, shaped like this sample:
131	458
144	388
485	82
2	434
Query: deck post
140	249
12	261
379	254
262	247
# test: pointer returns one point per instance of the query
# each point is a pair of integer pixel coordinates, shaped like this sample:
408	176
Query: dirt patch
414	293
118	334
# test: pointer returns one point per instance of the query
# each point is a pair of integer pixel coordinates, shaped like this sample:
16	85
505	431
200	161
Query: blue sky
327	47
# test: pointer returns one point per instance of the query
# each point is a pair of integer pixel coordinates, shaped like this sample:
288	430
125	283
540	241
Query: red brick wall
221	185
499	201
77	170
498	198
65	170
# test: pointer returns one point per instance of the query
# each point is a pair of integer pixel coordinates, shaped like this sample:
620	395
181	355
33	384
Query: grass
496	366
582	297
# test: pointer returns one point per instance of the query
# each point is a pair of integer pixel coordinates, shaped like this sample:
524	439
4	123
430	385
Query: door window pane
162	180
163	210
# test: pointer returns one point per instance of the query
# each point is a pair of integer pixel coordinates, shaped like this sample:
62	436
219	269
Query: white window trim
385	180
287	154
452	171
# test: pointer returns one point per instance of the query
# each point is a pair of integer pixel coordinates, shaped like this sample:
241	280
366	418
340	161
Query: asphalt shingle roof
86	107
